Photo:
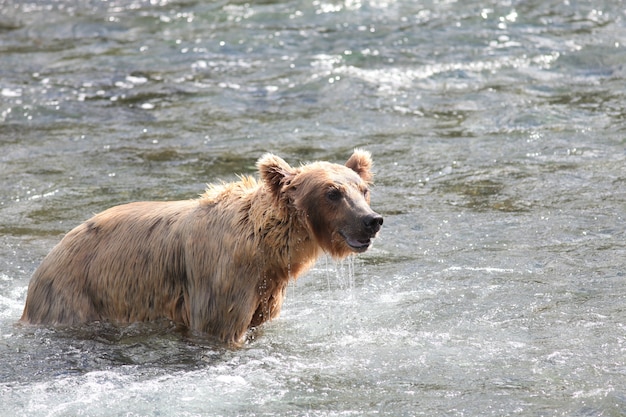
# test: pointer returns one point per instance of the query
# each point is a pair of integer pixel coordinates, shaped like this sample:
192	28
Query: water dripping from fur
343	269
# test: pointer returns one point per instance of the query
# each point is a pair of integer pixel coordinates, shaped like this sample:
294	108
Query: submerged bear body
217	265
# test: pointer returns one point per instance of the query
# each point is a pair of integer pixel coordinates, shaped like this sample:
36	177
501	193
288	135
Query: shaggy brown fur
218	265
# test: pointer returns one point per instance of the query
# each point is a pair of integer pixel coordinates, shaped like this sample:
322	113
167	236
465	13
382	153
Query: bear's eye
366	192
333	195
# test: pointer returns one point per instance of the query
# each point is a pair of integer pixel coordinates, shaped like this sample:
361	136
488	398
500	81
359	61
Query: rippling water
498	129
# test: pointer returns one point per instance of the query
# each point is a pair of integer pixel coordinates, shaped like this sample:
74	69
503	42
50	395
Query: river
497	285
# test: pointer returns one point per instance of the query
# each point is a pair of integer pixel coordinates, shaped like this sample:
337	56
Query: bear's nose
373	222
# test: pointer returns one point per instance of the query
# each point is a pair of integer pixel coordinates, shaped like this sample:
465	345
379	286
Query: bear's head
333	200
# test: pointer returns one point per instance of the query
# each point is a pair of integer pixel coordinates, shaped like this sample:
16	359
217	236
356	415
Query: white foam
488	269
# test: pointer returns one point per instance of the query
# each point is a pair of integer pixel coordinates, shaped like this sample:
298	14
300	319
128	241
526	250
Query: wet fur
218	265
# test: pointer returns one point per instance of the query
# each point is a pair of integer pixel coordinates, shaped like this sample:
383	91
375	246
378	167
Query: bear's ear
361	163
274	171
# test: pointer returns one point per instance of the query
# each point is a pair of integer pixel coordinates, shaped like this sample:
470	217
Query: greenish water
498	130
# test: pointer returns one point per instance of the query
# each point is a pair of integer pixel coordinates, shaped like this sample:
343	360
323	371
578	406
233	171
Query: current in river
498	132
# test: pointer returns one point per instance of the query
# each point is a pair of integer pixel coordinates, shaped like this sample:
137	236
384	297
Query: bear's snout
373	222
359	237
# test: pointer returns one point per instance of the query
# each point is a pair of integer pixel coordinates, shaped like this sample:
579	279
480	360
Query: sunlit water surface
497	285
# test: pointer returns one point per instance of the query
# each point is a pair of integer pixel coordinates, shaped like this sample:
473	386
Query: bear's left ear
274	171
361	163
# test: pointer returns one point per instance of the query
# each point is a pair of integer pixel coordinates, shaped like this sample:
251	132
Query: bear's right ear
274	171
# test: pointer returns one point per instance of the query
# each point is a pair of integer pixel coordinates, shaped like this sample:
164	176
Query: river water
498	130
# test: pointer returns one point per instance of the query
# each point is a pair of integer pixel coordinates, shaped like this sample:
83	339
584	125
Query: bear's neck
283	234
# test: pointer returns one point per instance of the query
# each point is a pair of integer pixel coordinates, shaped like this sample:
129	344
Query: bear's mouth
357	245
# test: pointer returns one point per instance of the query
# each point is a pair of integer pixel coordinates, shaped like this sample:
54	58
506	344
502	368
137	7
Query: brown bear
217	265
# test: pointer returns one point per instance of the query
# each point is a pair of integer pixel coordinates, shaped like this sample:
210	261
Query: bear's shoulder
217	192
